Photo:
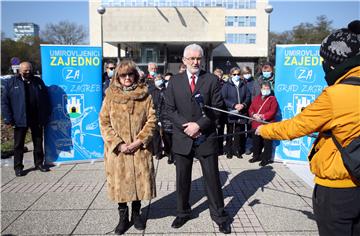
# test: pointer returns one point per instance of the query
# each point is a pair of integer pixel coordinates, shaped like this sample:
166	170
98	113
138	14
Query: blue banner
73	77
299	80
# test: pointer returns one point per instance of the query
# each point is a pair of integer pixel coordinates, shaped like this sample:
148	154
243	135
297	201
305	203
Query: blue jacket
13	105
233	95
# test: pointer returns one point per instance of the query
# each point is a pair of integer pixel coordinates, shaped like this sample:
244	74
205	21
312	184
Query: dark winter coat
254	87
233	95
159	104
13	101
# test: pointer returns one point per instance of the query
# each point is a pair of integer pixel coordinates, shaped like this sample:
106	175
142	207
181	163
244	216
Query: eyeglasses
124	75
235	74
193	58
111	68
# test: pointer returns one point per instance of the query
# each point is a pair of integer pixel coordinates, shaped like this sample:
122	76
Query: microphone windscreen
199	99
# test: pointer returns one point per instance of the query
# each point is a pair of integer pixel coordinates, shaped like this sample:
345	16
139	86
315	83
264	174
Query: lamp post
101	10
268	10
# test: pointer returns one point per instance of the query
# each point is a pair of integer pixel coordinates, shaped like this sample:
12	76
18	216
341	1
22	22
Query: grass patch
7	146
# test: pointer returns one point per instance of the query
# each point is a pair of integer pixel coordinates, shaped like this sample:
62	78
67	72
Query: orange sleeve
315	117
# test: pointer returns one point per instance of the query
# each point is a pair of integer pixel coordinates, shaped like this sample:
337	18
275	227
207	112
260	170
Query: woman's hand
124	148
239	107
132	147
258	117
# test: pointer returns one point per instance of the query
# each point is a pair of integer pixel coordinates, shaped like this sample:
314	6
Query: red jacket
267	107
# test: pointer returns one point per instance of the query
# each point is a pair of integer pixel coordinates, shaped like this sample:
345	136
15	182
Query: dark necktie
192	85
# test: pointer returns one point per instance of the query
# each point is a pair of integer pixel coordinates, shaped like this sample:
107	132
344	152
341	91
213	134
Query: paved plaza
71	200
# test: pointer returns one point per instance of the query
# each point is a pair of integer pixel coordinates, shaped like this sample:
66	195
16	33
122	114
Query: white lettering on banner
311	88
287	88
297	53
71	53
72	74
85	88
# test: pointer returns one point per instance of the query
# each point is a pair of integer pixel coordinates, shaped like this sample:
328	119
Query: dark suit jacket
182	108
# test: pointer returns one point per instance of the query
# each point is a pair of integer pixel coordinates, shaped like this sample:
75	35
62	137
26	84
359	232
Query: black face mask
338	70
326	67
26	76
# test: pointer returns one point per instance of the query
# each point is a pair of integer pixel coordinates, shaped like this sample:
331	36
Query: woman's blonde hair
127	66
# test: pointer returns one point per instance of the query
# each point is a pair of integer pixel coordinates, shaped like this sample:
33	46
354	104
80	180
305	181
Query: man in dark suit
194	130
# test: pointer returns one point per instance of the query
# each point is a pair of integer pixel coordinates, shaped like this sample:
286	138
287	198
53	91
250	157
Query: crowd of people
152	114
242	94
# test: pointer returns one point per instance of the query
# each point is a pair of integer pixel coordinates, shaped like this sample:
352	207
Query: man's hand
239	107
257	131
192	129
8	126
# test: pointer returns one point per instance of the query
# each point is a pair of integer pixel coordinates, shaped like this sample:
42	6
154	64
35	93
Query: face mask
153	74
159	83
26	75
236	78
265	92
267	74
110	73
247	76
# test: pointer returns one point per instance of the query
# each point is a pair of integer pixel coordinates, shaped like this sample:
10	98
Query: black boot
123	221
136	219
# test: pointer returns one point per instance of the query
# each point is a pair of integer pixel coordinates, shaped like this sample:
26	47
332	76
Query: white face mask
153	74
265	92
236	78
247	76
159	83
110	73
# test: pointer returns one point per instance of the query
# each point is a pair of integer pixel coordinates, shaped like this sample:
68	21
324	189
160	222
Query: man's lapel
200	81
185	84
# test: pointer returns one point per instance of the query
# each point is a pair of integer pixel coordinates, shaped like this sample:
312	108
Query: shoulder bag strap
351	80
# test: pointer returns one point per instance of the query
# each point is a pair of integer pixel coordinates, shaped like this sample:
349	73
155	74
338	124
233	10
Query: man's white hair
193	47
152	63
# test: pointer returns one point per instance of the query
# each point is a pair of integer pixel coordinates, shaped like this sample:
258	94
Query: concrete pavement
71	200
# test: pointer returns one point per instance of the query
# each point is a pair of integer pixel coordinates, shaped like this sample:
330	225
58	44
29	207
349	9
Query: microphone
200	100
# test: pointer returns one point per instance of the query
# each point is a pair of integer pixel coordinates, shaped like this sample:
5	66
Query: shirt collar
189	74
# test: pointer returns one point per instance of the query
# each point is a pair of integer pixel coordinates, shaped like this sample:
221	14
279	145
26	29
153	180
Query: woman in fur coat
127	122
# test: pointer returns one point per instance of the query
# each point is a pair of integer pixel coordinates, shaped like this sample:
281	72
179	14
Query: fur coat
126	116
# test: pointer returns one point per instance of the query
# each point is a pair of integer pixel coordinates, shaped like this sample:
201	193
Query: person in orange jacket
336	196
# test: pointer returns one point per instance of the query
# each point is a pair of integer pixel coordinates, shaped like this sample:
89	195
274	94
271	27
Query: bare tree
301	34
64	32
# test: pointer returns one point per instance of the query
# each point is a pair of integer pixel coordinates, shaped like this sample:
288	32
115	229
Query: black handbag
350	156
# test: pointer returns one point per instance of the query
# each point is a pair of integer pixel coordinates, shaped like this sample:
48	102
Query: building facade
232	32
25	29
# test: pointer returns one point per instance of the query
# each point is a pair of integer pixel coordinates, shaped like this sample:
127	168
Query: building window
230	4
240	38
240	21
